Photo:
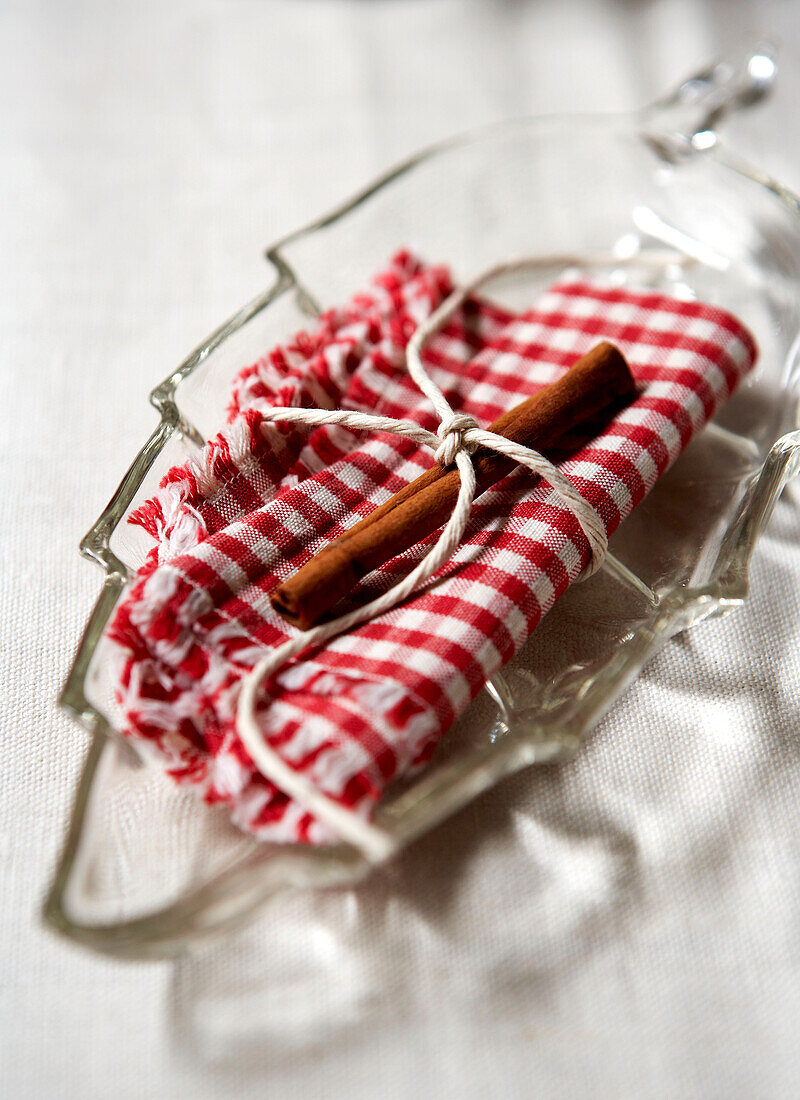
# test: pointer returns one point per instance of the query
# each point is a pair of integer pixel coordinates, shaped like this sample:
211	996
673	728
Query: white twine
456	438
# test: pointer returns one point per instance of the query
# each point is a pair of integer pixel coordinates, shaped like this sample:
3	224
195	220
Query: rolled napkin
369	706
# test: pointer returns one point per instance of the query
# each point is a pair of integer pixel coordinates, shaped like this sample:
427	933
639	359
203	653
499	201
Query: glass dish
146	868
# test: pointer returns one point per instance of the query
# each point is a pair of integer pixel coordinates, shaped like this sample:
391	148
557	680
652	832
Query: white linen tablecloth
625	925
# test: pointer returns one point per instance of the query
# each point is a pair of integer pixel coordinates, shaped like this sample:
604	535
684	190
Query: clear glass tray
146	868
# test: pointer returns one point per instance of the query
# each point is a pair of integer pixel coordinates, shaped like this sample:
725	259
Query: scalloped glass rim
228	898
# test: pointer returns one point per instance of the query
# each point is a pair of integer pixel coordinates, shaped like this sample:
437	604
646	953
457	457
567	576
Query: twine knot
453	432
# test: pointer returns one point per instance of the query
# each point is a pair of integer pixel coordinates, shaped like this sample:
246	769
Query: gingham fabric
371	705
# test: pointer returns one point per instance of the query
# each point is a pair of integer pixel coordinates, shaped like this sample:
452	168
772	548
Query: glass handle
685	121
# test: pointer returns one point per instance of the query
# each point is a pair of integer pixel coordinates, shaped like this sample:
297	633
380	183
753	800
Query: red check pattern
371	705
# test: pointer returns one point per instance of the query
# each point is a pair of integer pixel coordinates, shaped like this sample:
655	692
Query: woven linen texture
370	706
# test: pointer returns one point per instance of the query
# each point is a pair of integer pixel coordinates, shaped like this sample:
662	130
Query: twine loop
456	438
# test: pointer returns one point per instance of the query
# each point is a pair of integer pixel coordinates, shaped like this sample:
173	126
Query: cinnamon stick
596	383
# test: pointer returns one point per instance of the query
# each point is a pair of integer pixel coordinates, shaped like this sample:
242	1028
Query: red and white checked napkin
371	705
